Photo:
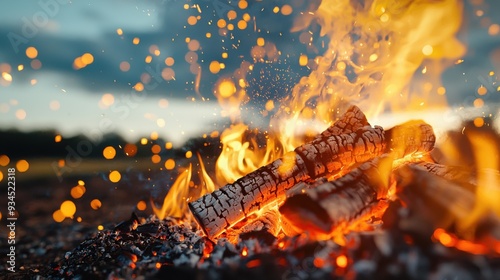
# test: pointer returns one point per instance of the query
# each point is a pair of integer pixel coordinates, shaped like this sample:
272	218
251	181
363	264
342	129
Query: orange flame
486	156
374	52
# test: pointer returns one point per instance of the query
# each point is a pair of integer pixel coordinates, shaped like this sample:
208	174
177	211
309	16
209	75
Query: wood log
337	203
324	156
439	200
440	203
353	119
458	174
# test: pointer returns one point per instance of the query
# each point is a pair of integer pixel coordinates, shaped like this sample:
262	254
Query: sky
55	95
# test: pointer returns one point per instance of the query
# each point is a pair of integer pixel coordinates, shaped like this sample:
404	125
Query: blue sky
56	96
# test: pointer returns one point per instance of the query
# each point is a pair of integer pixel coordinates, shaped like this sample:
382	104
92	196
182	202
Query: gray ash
176	249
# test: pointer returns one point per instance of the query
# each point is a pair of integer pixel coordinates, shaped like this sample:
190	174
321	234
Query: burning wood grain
327	155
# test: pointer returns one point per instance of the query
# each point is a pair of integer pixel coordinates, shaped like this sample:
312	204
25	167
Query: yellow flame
175	202
374	51
240	156
486	156
377	48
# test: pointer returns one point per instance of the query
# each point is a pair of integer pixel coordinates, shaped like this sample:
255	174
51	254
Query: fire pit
362	170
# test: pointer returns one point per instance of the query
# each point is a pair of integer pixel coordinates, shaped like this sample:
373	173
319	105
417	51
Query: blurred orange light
4	160
68	208
156	149
221	23
95	204
139	87
303	60
169	61
169	164
482	90
227	89
58	216
231	15
77	191
242	24
87	58
31	52
130	150
260	42
141	205
192	20
115	176
341	261
119	31
109	152
214	67
58	138
136	41
22	165
286	10
479	122
155	159
242	4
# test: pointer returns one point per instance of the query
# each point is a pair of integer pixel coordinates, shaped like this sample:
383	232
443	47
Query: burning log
439	202
326	155
352	120
336	203
457	174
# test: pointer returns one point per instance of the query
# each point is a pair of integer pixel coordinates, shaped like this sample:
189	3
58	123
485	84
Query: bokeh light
109	152
170	164
31	52
95	204
4	160
68	208
58	216
22	165
141	205
115	176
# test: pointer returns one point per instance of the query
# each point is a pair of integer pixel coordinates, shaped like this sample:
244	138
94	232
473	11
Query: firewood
337	203
437	201
324	156
465	177
352	120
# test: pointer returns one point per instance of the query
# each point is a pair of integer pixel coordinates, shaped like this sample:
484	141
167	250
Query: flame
372	56
486	156
240	156
174	203
375	50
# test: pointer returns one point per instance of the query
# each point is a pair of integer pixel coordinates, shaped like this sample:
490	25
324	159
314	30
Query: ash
147	248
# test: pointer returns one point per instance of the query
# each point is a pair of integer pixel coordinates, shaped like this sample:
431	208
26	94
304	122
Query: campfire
355	201
325	191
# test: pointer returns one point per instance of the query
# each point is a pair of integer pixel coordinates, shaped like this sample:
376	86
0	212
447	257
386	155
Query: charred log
327	155
336	203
